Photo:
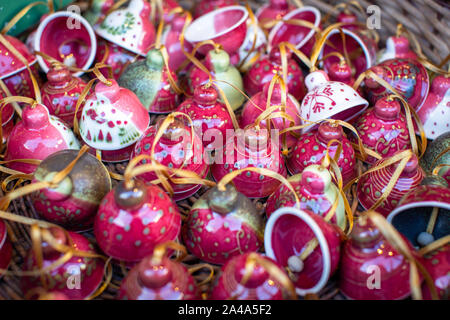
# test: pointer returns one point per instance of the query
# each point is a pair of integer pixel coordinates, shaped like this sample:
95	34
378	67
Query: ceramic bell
218	63
261	285
168	7
245	53
383	129
13	72
414	212
112	121
148	79
258	104
312	146
158	279
205	6
6	118
97	11
434	112
371	186
396	47
366	255
329	99
306	245
60	93
74	203
437	154
131	221
257	150
264	69
174	150
208	115
274	10
37	136
407	76
77	278
221	225
5	247
316	191
437	265
341	72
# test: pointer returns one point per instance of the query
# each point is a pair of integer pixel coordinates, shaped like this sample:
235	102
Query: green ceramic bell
97	11
438	154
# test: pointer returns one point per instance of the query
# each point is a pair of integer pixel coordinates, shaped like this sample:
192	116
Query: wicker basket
428	20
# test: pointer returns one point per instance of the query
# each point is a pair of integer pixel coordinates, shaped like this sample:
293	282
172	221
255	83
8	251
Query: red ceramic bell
5	248
174	150
263	70
396	47
371	269
158	279
78	278
371	186
205	6
74	203
306	245
258	104
255	150
383	129
274	10
407	76
437	263
131	221
112	121
60	94
311	149
221	225
7	118
316	192
209	116
37	136
261	285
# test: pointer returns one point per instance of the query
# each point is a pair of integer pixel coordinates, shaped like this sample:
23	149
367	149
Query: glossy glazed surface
5	248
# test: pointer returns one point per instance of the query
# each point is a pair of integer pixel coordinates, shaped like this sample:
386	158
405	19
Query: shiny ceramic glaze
287	232
437	264
74	202
438	153
329	99
60	93
158	280
316	192
205	6
258	104
37	136
263	70
97	11
5	248
396	47
434	112
208	115
90	269
407	76
130	223
274	10
176	149
371	186
221	225
341	71
383	129
218	64
113	119
148	79
256	150
260	286
311	148
366	250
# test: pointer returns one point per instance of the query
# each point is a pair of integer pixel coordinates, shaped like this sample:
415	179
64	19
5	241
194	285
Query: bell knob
372	83
223	202
174	132
256	139
59	236
440	85
258	276
35	117
217	61
205	95
275	98
316	79
328	131
411	166
130	198
279	4
340	72
154	59
365	234
387	109
316	182
58	75
154	275
110	90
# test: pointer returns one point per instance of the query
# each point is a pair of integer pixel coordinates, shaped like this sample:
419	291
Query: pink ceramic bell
255	150
5	248
205	6
60	94
396	47
304	244
311	149
371	186
407	76
258	104
383	129
158	279
274	10
437	263
131	221
263	70
74	203
434	112
209	116
174	150
221	225
316	192
261	285
13	72
6	118
371	269
341	72
37	136
112	121
78	278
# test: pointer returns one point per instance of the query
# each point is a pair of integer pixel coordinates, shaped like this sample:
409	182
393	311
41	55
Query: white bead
425	238
295	264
